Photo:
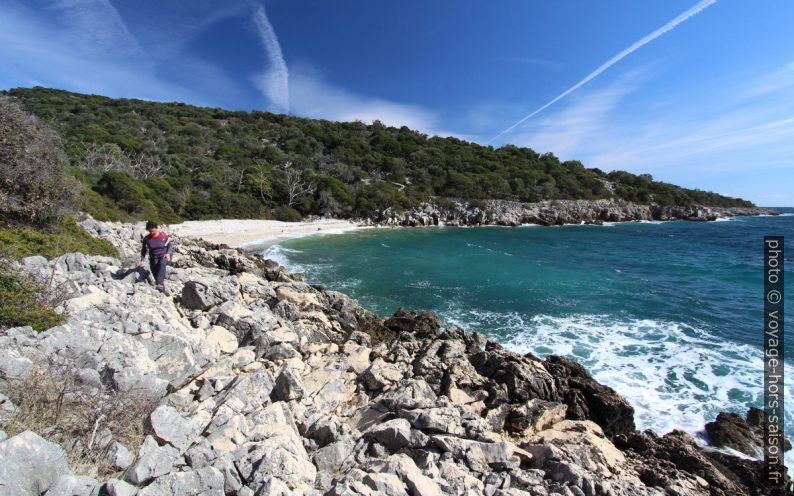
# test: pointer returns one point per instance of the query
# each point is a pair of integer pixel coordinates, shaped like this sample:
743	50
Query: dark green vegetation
22	303
36	216
174	161
53	241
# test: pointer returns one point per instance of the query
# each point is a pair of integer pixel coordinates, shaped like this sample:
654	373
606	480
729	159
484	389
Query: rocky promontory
549	213
247	380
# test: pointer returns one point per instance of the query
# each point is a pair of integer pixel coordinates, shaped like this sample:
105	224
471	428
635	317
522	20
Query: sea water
670	314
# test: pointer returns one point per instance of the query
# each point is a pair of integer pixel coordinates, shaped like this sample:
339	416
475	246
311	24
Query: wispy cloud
314	97
96	26
85	46
696	9
274	83
730	138
570	131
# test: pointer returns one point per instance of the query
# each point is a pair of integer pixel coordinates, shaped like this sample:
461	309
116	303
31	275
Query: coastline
255	234
258	380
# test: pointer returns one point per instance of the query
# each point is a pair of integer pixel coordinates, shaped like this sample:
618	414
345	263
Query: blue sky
696	93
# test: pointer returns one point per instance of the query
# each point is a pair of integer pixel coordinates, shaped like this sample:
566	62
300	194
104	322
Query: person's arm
144	248
168	247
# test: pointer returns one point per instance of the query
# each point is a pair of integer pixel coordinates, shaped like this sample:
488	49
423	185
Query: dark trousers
157	265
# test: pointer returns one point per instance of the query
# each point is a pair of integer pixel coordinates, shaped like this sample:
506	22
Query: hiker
159	247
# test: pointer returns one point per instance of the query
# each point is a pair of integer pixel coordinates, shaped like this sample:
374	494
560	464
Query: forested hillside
172	161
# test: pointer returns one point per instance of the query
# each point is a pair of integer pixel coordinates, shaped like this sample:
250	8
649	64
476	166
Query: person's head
152	227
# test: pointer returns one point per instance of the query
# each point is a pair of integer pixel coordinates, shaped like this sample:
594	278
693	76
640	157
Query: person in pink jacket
158	246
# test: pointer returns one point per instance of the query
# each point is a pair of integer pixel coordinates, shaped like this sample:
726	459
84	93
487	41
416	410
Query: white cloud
274	82
96	26
313	97
87	47
570	132
727	138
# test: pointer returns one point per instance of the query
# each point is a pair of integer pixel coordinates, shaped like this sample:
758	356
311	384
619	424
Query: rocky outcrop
548	213
745	435
265	384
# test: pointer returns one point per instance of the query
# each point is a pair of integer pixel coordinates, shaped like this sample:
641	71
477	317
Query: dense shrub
34	185
64	237
286	214
22	302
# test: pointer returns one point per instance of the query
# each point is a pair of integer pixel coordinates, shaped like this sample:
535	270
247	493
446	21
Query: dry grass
53	401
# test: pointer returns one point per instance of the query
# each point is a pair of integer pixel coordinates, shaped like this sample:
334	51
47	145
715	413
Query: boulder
153	461
385	484
380	374
729	430
171	427
331	457
207	481
115	487
118	456
221	338
73	485
396	434
404	467
289	385
205	295
31	464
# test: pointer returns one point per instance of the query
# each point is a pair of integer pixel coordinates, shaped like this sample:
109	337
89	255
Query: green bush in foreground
20	304
64	237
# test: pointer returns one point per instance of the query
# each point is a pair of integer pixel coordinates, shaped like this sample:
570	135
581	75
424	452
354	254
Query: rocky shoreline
548	213
260	383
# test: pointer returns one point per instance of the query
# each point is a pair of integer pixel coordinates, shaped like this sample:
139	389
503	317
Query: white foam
724	219
675	376
279	254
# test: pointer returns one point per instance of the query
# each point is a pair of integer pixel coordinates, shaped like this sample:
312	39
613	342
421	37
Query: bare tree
297	185
263	183
105	157
108	156
240	178
146	166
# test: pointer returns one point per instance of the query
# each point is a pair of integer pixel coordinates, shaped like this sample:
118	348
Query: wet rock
587	399
729	430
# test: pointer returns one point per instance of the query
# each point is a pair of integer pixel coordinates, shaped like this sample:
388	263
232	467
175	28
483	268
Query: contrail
275	81
698	8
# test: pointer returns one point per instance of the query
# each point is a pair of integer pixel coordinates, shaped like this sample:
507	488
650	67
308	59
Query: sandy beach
255	234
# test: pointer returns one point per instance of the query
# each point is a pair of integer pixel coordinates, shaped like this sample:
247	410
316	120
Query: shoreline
259	379
255	234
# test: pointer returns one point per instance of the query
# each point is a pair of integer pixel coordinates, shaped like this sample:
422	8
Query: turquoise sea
667	313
